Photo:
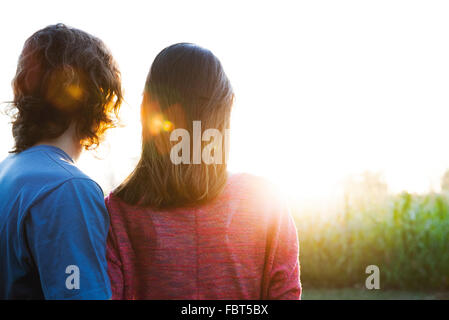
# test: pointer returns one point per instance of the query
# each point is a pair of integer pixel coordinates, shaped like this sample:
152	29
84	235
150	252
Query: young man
53	221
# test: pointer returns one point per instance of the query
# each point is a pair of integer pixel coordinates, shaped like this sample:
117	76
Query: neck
68	142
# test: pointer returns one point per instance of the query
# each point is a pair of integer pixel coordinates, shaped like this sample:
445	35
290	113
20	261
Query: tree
445	181
366	189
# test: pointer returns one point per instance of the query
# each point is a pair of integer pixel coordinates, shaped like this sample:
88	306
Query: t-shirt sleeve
66	234
282	273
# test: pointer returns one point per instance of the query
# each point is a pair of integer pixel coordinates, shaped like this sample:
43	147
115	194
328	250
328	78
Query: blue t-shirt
53	229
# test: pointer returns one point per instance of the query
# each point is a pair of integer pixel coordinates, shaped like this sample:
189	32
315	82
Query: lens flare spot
65	90
167	126
156	124
75	91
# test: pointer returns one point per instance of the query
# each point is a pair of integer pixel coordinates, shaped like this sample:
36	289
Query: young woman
182	227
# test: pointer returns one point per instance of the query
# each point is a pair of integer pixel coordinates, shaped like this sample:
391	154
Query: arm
66	234
114	263
282	271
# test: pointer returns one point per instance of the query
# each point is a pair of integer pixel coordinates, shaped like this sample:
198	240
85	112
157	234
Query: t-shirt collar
52	149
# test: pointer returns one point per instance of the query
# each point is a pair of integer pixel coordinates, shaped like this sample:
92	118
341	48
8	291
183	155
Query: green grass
364	294
406	236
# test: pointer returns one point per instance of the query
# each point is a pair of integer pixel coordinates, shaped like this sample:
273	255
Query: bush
406	236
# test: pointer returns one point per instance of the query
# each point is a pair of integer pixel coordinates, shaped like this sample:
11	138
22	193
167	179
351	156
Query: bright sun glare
324	89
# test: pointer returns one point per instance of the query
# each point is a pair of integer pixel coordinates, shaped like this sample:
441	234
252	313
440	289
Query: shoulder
81	187
53	170
117	208
112	200
123	216
254	187
262	200
37	175
74	204
62	167
76	195
255	196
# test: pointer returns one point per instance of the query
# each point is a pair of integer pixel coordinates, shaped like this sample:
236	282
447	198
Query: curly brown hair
64	76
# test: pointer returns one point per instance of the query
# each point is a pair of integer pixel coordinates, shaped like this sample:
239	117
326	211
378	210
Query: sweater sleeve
282	270
115	271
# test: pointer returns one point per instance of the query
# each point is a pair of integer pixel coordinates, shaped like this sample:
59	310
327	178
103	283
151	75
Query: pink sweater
243	245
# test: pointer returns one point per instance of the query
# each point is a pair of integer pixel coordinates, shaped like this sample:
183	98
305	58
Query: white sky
324	88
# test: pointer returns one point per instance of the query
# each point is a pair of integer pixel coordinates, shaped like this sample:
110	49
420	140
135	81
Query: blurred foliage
405	235
445	181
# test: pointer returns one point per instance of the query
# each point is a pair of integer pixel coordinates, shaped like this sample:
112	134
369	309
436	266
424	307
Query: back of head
187	90
64	76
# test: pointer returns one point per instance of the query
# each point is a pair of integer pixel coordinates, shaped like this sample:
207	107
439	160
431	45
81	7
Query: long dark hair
64	75
186	83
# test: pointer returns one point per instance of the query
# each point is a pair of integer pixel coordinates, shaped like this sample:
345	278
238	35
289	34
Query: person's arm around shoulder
66	234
